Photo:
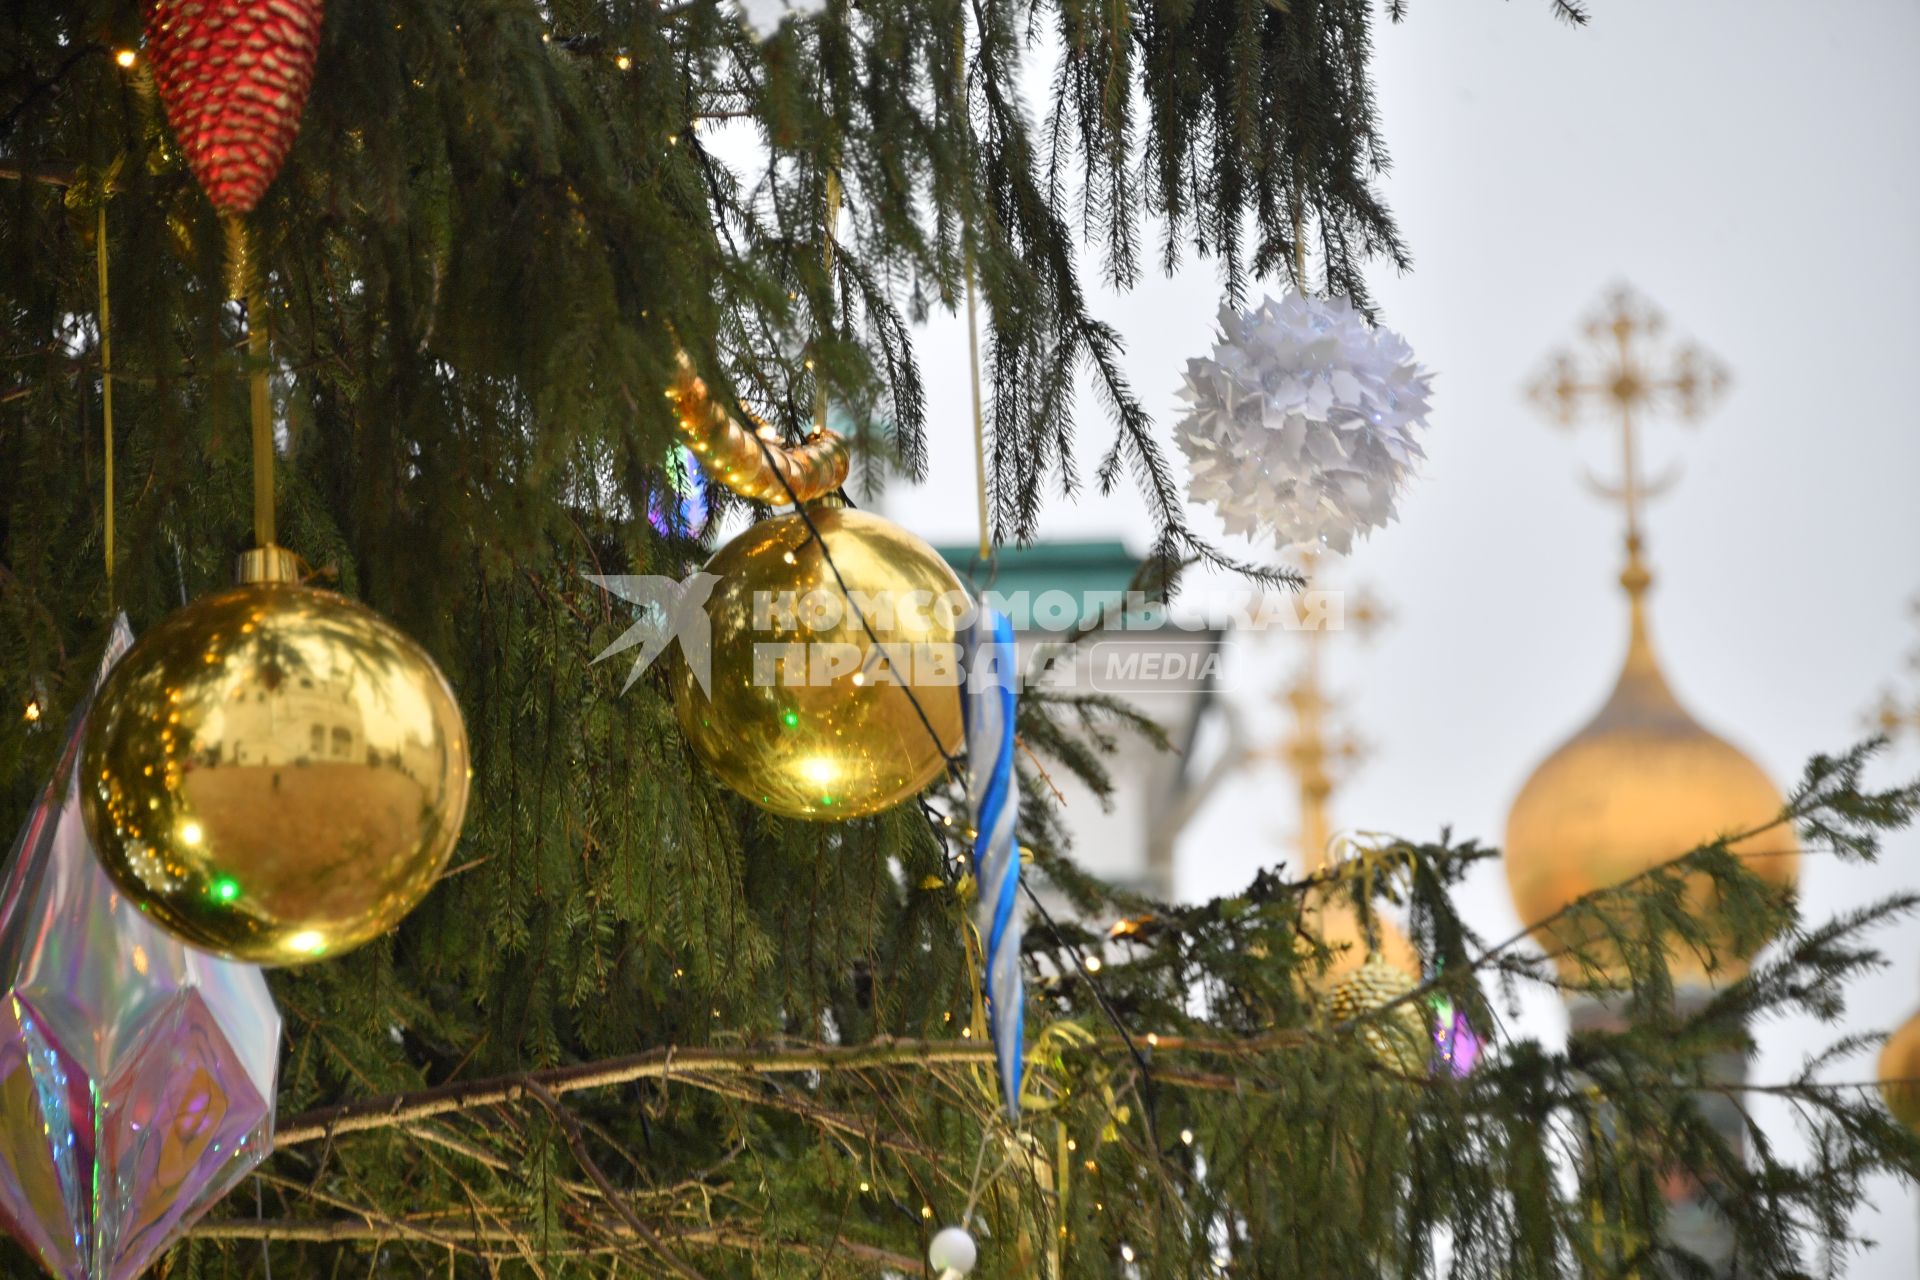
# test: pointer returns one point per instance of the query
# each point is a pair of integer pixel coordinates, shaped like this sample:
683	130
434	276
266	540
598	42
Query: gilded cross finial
1317	746
1895	716
1366	613
1629	370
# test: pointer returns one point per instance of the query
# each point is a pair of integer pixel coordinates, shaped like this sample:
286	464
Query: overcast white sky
1754	168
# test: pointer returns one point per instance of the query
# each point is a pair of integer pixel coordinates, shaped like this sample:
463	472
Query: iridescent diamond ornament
1456	1045
136	1074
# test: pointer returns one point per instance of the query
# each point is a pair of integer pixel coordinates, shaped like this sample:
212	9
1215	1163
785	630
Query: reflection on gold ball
803	717
275	773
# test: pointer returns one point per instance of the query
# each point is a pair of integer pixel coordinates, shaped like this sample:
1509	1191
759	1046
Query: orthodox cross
1629	370
1316	744
1894	717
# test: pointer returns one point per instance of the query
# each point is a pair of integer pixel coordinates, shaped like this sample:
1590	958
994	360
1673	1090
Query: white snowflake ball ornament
1301	425
764	17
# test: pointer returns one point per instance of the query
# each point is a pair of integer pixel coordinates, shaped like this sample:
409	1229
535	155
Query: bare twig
577	1143
349	1230
402	1109
52	175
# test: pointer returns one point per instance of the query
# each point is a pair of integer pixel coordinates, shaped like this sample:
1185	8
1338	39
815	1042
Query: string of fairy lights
1087	963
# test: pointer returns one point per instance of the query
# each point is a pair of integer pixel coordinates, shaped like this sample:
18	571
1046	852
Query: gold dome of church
1900	1072
1640	784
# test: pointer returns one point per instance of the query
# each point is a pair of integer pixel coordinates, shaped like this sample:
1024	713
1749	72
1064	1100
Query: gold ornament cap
266	564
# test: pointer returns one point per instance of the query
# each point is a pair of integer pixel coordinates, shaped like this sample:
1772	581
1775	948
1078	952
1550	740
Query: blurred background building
1074	632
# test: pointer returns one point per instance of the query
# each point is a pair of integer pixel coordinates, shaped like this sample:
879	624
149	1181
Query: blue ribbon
993	792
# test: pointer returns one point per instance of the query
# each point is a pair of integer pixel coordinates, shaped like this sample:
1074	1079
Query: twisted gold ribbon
750	460
973	322
827	227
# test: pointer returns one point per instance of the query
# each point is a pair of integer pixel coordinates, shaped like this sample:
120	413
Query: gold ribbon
243	282
106	383
973	325
826	261
979	415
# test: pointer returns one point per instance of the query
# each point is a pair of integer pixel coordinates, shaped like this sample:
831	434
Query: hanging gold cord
973	324
826	259
979	414
1300	243
243	282
106	385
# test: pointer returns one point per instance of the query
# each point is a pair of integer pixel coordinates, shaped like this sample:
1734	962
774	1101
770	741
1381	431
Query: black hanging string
940	822
954	772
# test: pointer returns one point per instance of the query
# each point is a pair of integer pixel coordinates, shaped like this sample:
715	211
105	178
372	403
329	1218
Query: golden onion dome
1900	1073
1640	784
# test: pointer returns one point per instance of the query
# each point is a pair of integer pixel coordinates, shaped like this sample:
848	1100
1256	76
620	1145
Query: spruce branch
486	251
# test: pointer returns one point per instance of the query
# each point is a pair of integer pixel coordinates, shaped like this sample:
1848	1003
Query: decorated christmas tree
450	320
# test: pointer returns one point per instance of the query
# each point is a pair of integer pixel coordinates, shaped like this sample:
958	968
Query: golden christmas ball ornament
1401	1040
804	712
819	622
275	772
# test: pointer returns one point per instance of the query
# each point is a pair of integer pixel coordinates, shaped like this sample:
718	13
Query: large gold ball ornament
802	714
275	773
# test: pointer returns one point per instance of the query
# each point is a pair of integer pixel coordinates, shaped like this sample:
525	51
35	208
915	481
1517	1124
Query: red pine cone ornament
233	76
